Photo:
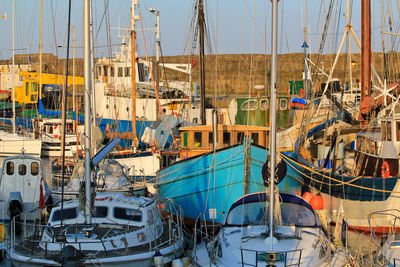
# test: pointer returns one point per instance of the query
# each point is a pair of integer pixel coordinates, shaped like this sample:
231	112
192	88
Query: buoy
385	171
2	232
317	202
307	196
158	259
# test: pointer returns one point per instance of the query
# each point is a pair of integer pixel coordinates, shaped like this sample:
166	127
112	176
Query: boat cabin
196	140
379	149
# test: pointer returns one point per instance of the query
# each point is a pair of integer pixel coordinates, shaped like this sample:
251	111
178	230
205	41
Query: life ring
385	171
302	93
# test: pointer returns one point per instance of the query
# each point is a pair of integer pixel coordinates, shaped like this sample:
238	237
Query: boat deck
30	247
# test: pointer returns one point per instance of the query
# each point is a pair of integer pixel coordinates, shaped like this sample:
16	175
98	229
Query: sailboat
269	228
103	228
364	177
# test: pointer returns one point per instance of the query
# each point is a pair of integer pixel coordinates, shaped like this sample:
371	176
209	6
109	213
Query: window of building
22	169
197	139
10	168
34	168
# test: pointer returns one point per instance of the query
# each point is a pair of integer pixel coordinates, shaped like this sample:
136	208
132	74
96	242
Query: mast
365	49
13	69
93	111
87	87
202	63
274	45
133	61
40	50
157	61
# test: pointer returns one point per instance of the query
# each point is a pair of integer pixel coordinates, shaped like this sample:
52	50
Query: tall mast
133	61
13	69
157	68
274	45
365	49
40	49
202	62
87	87
93	111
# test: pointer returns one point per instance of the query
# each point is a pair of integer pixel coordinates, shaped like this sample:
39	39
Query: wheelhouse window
127	71
398	131
254	137
128	214
22	169
100	212
65	214
99	70
240	137
248	105
112	72
10	168
185	139
197	139
386	131
105	71
226	138
120	72
34	168
264	103
283	104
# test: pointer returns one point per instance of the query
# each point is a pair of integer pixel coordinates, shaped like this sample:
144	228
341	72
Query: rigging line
106	7
54	27
108	31
154	85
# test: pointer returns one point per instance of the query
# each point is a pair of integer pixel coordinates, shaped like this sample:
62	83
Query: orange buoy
385	171
302	93
317	202
307	196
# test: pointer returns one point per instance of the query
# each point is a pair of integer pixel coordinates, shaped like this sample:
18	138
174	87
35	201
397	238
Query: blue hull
197	186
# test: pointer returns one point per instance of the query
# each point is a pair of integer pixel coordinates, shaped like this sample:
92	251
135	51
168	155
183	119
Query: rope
152	79
287	159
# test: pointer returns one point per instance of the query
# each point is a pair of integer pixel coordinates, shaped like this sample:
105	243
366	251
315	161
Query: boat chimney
258	89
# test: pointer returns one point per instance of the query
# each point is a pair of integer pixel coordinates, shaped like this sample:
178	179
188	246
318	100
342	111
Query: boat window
240	137
128	214
99	70
127	71
386	131
197	139
22	169
105	71
264	103
254	138
283	104
185	139
226	138
100	212
34	87
34	168
10	168
210	138
112	72
398	131
256	213
150	217
64	214
51	130
27	88
119	71
248	105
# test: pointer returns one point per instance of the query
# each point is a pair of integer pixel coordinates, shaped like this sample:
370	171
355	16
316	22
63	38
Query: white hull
16	147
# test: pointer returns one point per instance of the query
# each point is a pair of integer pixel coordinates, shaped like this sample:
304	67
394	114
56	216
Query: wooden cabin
196	140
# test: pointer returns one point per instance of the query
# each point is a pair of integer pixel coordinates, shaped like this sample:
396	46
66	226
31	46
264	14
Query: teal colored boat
208	184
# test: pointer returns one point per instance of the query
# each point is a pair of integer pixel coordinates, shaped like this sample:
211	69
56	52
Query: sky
233	26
